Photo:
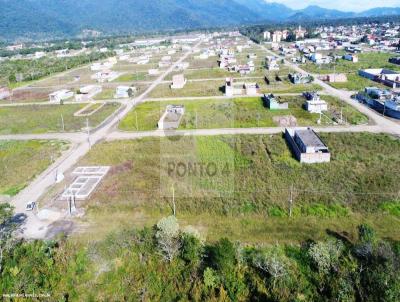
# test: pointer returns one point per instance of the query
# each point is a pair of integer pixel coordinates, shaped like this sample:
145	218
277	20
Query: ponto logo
197	169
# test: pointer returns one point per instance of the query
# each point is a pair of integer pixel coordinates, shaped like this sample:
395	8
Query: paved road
35	228
120	135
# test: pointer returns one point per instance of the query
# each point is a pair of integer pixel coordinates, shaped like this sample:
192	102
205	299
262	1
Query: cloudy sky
344	5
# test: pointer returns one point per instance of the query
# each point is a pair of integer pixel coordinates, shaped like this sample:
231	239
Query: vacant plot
247	192
356	83
237	113
130	77
366	60
21	161
198	88
49	118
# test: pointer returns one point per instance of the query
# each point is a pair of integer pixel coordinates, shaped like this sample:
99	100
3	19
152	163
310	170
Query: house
272	65
300	33
178	81
314	104
334	78
351	57
273	104
122	92
60	96
101	66
4	93
87	92
239	88
300	78
384	76
105	76
395	60
307	146
318	58
172	117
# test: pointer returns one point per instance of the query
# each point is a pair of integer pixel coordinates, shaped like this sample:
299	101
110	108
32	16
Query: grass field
249	199
203	88
234	113
21	161
366	60
130	77
47	118
356	83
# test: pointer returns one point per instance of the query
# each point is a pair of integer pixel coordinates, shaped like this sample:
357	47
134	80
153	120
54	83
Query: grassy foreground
247	196
47	118
236	113
21	161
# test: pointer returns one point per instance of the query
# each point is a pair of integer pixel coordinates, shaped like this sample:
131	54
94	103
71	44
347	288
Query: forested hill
56	18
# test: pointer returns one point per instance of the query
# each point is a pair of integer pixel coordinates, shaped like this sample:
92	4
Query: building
314	104
101	66
105	76
351	57
233	88
267	35
318	58
274	104
300	78
277	36
334	78
172	117
300	33
178	81
122	92
60	96
87	92
384	76
395	60
307	146
4	93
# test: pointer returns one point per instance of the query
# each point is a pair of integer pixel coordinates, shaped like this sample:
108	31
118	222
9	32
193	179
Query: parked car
30	206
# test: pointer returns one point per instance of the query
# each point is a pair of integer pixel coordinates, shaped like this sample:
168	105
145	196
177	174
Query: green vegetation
356	83
252	185
170	263
235	113
203	88
47	118
21	161
129	77
30	70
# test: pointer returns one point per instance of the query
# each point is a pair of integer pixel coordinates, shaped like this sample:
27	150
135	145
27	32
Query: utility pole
62	123
173	199
291	201
137	126
88	132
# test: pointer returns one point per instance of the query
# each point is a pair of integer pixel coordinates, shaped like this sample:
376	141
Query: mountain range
60	18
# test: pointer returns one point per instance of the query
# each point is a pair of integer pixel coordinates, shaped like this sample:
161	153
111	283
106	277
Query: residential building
122	92
240	88
314	104
105	76
387	77
171	117
178	81
307	146
351	57
334	78
273	103
300	78
60	95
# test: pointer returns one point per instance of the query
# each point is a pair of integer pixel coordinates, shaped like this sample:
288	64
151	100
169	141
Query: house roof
310	138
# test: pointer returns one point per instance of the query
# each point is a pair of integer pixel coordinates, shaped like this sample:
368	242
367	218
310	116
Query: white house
124	92
178	81
171	117
60	95
316	105
105	76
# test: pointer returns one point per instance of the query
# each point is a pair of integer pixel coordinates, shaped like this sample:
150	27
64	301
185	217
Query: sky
344	5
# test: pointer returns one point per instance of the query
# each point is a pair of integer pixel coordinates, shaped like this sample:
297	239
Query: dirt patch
124	167
285	121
